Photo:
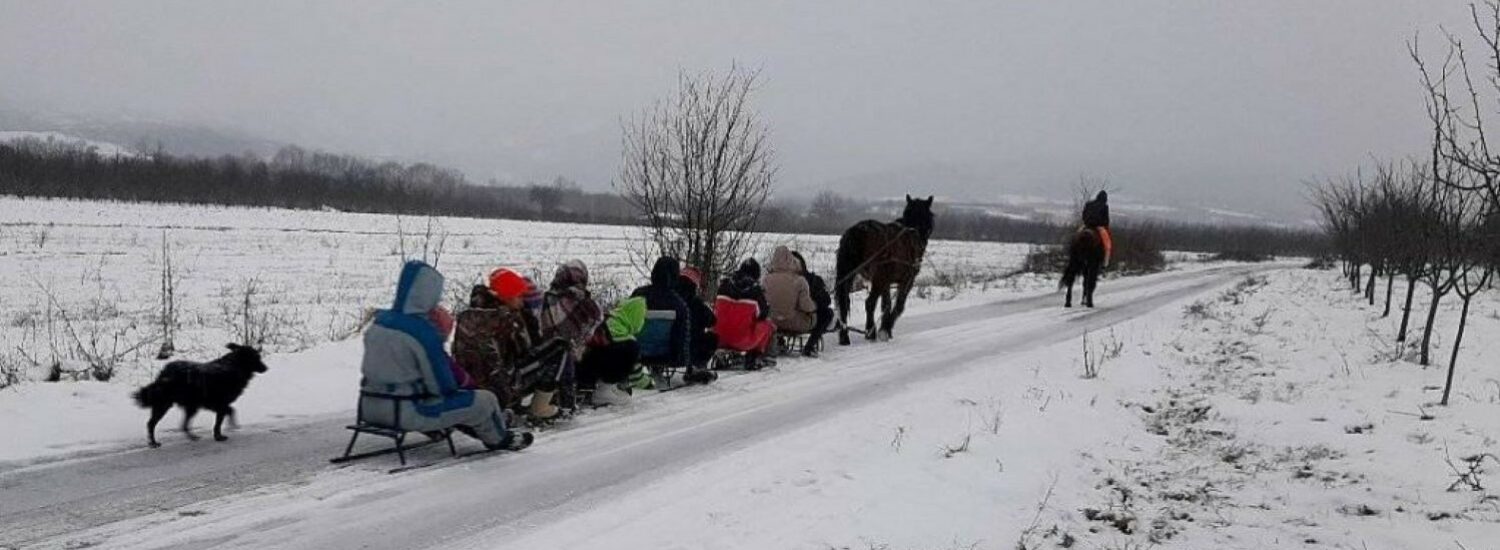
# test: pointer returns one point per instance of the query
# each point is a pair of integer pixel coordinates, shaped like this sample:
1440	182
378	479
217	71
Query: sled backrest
655	338
736	323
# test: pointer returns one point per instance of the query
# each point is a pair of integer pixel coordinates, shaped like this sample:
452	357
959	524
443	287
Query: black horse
1085	257
884	254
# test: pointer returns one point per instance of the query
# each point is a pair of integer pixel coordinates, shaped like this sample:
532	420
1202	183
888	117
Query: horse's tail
849	257
1069	274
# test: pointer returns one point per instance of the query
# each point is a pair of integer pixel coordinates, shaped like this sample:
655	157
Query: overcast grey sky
1234	103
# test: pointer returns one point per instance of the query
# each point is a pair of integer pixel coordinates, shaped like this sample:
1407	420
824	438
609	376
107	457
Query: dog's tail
149	395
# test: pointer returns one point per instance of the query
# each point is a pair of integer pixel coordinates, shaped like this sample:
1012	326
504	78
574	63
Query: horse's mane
923	224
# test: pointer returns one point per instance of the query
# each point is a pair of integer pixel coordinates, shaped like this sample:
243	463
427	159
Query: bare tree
829	209
1458	124
549	198
1471	277
698	168
1445	233
167	317
434	239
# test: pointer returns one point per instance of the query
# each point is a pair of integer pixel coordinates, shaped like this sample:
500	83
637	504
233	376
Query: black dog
213	386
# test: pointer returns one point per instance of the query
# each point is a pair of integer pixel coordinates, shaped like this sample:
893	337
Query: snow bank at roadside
1257	417
44	421
1288	418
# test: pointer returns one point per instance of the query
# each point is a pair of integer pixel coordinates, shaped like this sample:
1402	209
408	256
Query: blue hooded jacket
404	354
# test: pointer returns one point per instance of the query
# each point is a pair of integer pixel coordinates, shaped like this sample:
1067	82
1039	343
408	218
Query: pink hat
442	320
692	274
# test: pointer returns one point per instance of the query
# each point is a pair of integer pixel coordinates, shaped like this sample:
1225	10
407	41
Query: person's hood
480	297
749	269
801	262
782	261
419	290
664	274
572	274
1103	196
627	319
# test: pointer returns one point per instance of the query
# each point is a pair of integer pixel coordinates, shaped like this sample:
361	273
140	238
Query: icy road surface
274	488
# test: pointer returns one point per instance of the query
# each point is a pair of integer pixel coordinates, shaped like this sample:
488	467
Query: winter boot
606	394
514	441
568	398
699	375
640	379
541	406
757	361
813	346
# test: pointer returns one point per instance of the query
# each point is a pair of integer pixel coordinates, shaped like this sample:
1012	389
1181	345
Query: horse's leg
1090	280
901	293
870	301
1067	282
841	296
885	313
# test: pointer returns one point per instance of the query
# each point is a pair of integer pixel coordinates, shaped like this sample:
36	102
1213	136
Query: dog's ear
232	346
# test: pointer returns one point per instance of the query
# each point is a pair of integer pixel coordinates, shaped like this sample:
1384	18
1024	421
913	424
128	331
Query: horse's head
918	215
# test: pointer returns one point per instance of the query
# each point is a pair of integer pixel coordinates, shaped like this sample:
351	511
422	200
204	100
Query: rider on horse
1096	217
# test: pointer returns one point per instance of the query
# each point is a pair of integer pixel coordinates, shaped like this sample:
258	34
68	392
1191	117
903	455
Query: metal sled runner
394	432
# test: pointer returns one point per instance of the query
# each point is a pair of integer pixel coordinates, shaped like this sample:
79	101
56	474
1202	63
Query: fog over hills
1021	190
1214	105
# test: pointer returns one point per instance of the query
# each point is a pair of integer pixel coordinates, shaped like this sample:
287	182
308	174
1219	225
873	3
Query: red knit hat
692	274
507	284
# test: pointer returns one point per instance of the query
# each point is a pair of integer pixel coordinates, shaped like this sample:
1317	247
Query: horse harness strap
889	242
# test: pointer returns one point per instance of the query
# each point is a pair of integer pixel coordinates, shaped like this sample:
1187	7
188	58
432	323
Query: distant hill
102	148
1034	192
136	134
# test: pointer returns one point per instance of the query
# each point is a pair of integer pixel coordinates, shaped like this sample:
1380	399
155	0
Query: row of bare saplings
1414	226
1432	223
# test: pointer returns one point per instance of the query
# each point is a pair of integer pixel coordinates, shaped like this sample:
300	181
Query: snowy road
274	488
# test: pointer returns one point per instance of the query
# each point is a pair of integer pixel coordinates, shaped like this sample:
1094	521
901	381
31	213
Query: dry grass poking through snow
1282	424
96	290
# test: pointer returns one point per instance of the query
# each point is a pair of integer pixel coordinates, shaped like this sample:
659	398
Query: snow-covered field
1201	408
94	270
